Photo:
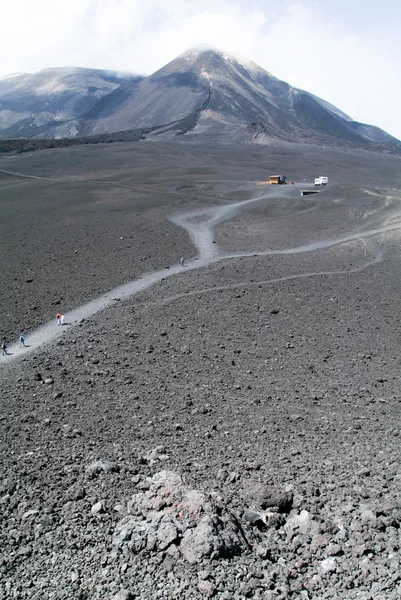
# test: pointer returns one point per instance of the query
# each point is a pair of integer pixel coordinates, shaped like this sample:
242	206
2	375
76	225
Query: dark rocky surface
218	435
60	240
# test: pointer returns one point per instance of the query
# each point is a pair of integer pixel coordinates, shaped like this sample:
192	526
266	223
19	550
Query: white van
321	180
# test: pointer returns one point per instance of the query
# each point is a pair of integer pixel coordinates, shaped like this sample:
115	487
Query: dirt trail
200	226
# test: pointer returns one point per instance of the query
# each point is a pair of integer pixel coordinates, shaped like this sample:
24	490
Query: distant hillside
50	103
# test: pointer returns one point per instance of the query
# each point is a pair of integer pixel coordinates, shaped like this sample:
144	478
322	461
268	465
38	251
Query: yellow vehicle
278	180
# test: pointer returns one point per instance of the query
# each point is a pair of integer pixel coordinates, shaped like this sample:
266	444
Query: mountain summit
204	94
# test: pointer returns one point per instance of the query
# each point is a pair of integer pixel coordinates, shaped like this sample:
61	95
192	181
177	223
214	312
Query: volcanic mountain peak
211	55
196	60
206	59
203	51
218	75
204	93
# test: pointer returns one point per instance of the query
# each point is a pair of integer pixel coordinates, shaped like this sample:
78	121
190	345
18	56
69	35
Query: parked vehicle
321	180
278	180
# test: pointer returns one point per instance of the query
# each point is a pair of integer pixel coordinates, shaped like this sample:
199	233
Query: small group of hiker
4	344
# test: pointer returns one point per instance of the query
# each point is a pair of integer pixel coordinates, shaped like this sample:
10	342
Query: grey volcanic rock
304	401
171	513
203	94
123	595
268	496
302	523
100	466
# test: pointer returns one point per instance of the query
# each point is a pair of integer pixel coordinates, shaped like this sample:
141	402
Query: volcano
203	94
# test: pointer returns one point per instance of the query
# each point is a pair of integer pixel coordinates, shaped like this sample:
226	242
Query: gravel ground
269	384
60	239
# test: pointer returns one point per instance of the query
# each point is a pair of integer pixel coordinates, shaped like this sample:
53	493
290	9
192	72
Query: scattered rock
172	513
97	508
303	522
100	466
222	474
329	565
123	595
155	455
29	513
206	588
268	497
255	518
75	492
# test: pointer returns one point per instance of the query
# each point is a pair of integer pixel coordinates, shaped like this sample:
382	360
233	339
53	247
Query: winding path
200	226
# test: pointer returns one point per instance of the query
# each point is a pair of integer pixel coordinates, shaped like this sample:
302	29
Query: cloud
351	62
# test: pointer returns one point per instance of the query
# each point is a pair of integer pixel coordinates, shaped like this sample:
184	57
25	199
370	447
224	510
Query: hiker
58	317
62	319
4	347
182	261
21	339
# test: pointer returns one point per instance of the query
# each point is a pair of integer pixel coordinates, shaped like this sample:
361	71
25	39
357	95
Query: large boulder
171	514
268	497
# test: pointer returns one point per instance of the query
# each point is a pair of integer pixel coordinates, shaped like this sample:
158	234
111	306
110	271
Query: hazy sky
345	51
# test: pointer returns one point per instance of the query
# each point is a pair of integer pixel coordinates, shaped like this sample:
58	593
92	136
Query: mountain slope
40	104
204	94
